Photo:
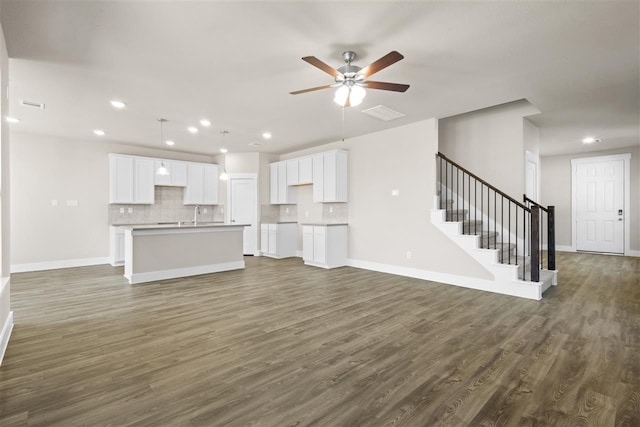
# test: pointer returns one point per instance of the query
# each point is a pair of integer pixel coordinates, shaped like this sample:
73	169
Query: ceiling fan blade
311	89
319	64
396	87
382	63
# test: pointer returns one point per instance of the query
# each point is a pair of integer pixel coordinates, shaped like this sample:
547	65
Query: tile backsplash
168	207
306	210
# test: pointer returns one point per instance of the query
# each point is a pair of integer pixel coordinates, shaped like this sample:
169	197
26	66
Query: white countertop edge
185	229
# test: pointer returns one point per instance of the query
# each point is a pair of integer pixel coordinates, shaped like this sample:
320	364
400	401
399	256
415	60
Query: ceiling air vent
383	113
31	104
256	144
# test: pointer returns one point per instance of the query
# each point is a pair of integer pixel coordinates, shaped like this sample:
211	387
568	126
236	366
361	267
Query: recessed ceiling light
118	104
206	123
169	142
266	135
224	150
99	132
12	119
192	129
590	140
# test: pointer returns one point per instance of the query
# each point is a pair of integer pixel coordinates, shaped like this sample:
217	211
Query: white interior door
243	202
600	206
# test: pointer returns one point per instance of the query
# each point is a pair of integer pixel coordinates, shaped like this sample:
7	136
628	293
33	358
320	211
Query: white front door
243	203
600	206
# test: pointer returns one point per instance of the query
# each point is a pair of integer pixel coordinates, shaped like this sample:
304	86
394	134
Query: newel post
551	238
535	243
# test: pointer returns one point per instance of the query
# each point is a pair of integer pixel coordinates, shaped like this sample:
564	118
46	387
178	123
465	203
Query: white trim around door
254	222
626	157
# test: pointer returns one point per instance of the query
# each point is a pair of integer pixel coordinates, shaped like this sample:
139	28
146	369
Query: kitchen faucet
196	212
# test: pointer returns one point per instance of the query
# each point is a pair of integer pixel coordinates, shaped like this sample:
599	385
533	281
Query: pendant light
224	176
162	169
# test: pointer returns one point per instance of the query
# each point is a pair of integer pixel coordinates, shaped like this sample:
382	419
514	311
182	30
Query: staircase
503	235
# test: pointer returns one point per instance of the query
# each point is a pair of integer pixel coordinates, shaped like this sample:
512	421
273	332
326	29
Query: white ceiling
236	62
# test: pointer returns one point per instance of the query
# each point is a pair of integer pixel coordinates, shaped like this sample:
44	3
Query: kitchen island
157	252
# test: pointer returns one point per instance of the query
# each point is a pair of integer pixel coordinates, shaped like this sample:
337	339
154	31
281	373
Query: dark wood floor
281	344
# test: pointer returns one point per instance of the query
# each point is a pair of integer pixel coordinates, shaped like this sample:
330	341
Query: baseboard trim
184	272
529	290
7	328
633	253
565	248
54	265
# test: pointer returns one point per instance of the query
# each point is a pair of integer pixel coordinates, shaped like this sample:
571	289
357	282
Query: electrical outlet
221	209
121	210
286	210
330	209
205	210
306	214
408	254
130	210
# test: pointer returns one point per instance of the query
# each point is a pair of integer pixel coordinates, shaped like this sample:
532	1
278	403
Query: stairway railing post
551	238
534	243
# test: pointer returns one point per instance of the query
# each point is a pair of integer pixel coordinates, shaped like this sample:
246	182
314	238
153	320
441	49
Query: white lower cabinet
278	240
116	245
324	245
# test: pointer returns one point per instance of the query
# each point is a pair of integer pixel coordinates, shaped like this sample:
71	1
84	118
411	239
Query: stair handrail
533	202
532	211
497	190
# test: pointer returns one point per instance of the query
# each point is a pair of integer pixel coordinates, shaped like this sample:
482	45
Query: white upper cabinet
292	172
305	170
273	180
131	179
177	173
281	193
326	171
330	177
202	184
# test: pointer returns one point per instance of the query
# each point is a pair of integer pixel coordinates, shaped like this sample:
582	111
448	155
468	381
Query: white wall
383	228
556	191
6	316
45	168
490	144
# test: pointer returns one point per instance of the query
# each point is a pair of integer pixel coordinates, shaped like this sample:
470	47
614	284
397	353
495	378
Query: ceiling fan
351	79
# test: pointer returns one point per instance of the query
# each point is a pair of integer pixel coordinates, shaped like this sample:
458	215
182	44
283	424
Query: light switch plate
205	210
395	192
72	203
121	210
130	210
54	202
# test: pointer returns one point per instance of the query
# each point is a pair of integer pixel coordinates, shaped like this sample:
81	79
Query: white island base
167	252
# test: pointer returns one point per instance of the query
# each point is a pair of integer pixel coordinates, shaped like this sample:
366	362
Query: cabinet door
305	170
330	177
273	239
307	243
319	245
292	172
119	255
273	188
318	178
144	190
193	193
120	179
264	238
162	179
282	183
210	186
178	174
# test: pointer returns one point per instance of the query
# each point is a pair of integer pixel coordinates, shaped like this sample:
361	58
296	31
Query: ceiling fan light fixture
341	95
357	95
